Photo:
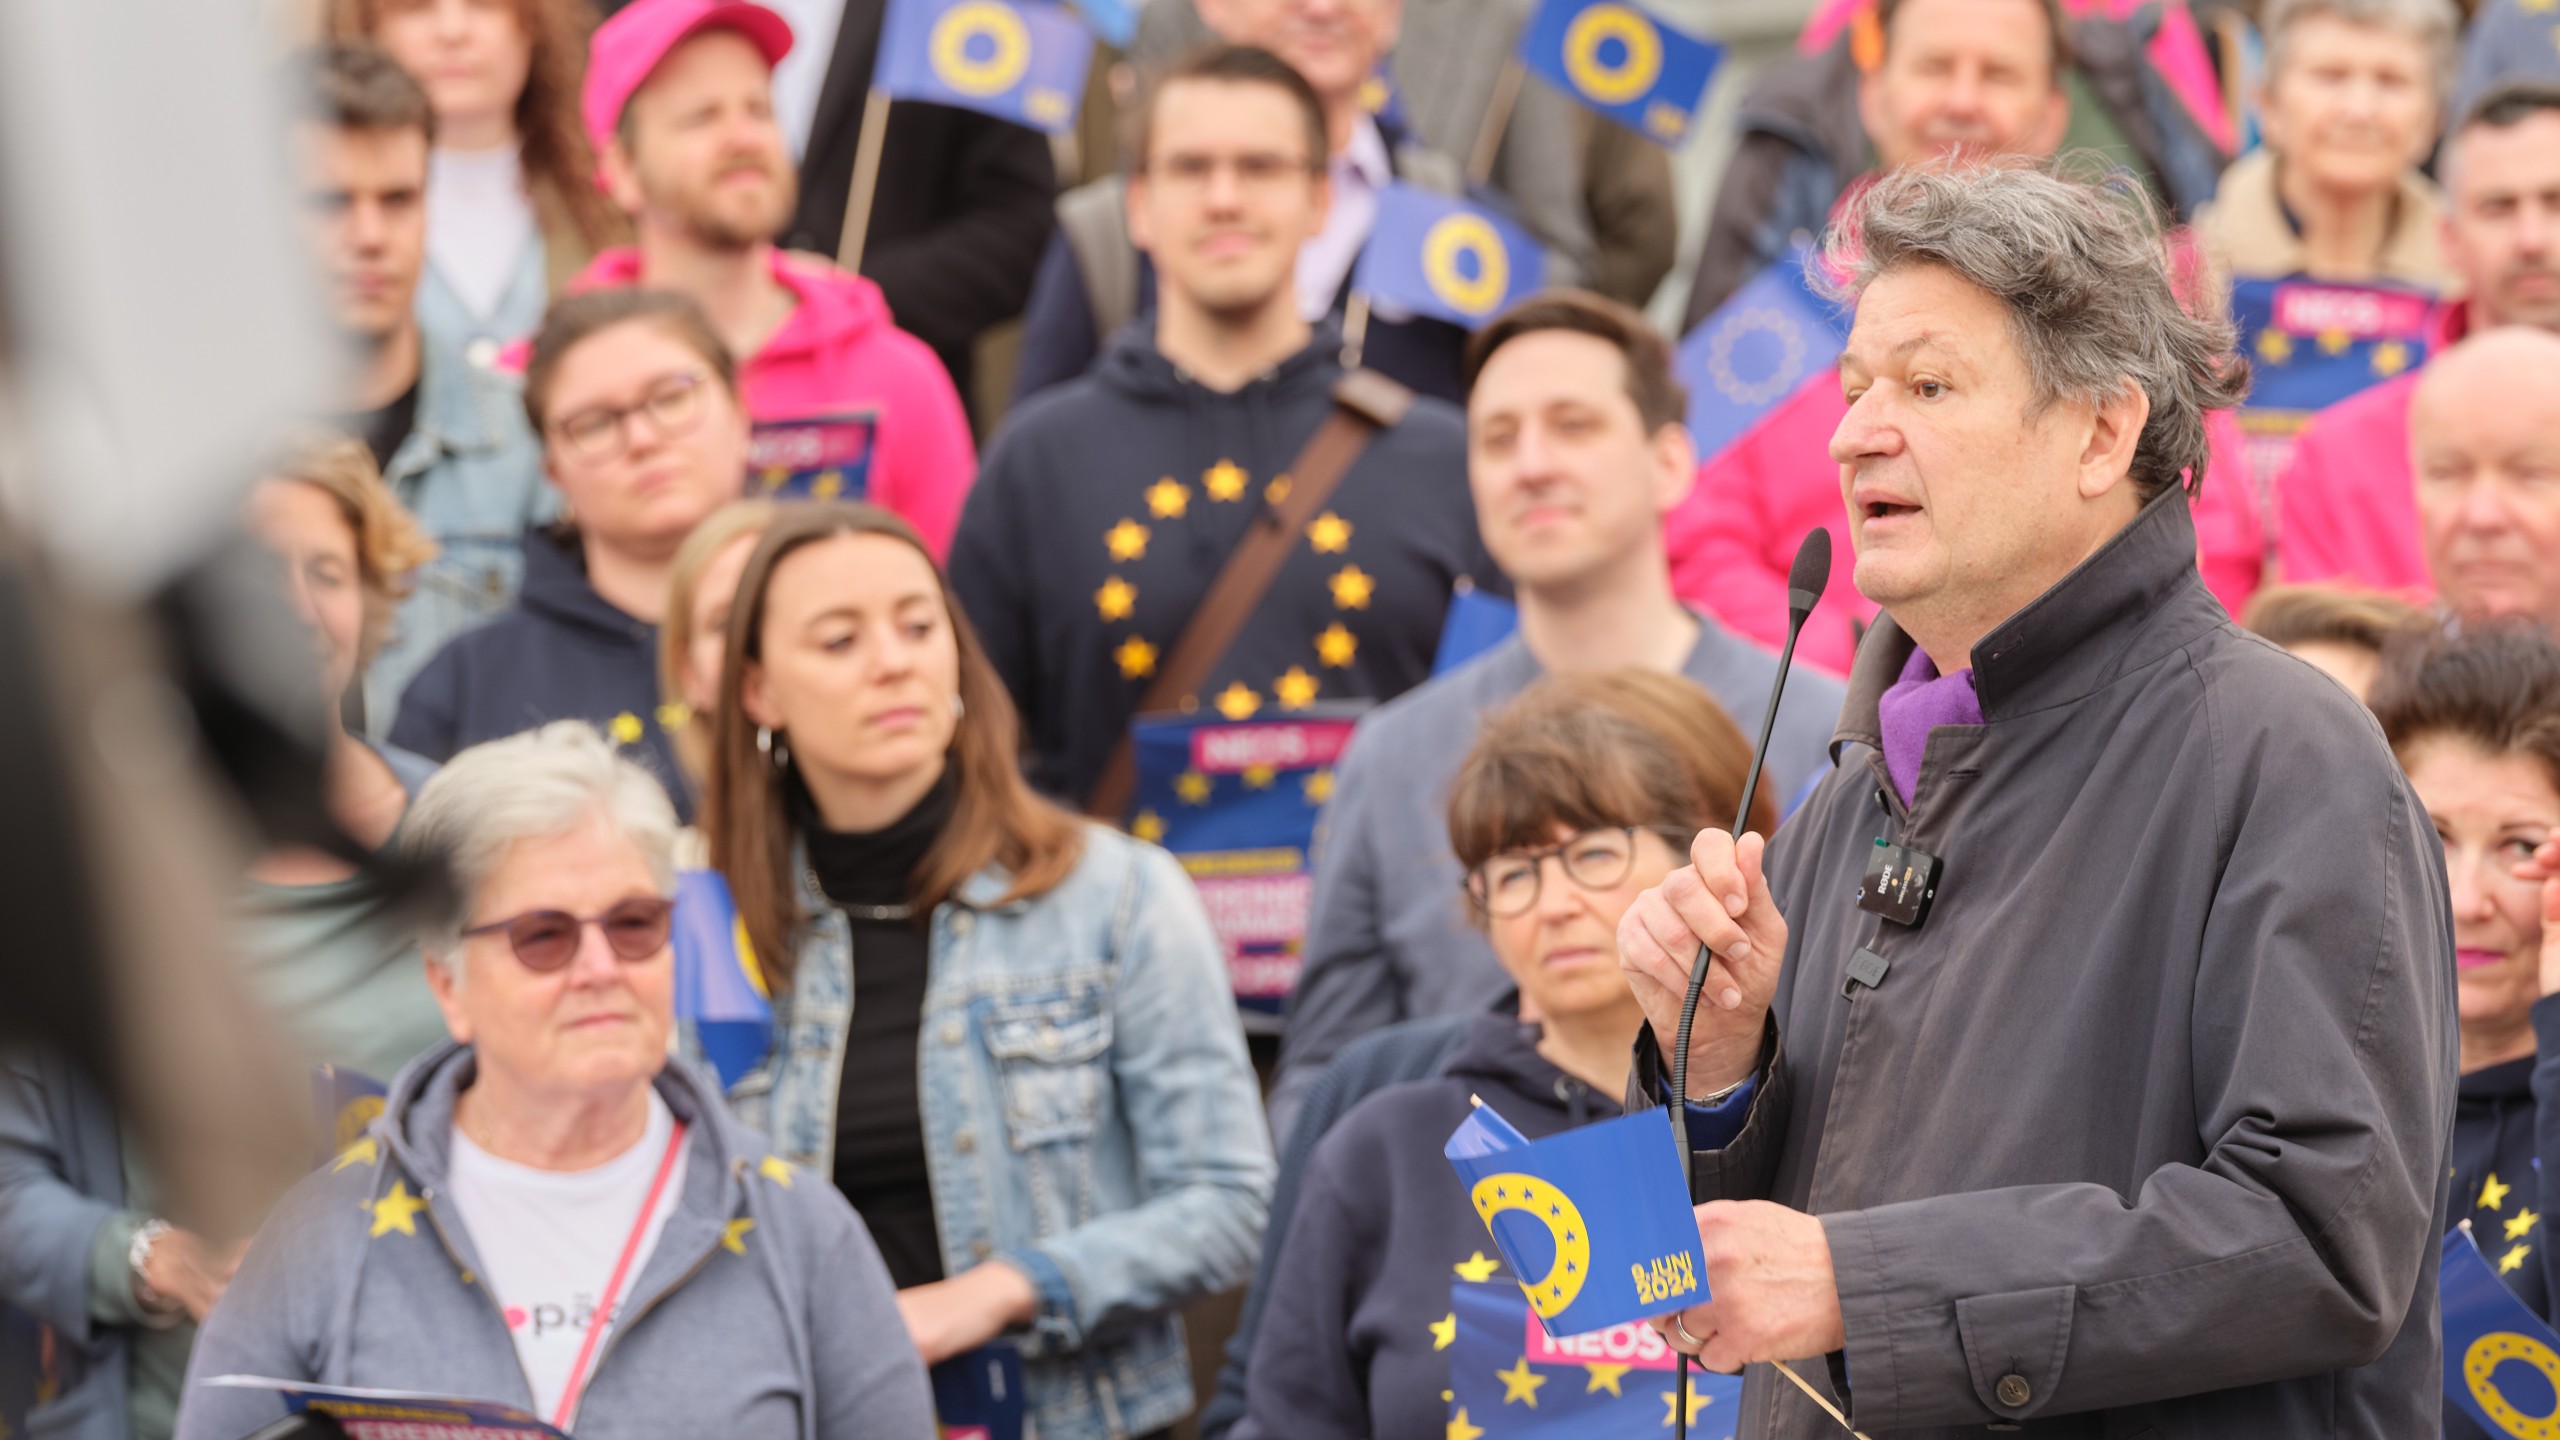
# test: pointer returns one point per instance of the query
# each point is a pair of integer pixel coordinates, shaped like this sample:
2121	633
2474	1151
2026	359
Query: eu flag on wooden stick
1614	57
1595	1223
1018	60
1441	256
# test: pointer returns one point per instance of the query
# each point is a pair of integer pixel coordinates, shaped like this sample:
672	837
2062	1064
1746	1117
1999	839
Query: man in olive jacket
2137	1126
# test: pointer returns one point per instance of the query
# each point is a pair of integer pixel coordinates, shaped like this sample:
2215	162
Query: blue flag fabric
1614	57
1594	1222
2312	344
1510	1380
1476	622
825	457
720	991
2501	1363
1116	21
1441	256
978	1395
1762	345
1018	60
343	1103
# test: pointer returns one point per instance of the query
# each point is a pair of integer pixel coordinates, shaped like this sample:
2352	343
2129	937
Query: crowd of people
648	533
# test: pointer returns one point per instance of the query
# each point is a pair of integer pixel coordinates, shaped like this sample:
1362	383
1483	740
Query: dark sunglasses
546	940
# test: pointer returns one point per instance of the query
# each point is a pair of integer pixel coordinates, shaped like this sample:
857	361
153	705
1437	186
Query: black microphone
1806	579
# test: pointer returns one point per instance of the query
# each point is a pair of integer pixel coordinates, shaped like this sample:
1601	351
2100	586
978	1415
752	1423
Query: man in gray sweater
1575	450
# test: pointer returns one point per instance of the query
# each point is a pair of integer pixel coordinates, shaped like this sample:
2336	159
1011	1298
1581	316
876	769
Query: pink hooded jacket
839	352
2347	506
1733	538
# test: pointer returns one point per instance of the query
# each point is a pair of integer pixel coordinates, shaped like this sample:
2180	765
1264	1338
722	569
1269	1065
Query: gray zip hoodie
763	1314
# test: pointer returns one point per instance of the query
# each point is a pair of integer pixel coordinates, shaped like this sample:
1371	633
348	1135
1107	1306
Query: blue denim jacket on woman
1089	1114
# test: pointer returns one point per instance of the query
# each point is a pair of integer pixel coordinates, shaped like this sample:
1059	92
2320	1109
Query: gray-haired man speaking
2092	1025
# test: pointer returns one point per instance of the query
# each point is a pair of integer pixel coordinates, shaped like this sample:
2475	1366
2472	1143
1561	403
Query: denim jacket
1089	1115
471	472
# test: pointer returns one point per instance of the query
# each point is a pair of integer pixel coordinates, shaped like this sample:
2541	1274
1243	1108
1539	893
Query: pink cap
627	47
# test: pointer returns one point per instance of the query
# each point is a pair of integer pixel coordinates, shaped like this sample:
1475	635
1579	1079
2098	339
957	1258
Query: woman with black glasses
644	434
548	1214
1578	795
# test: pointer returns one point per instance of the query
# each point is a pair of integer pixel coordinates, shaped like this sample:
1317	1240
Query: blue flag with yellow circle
344	1103
2501	1363
1594	1223
719	991
1767	341
1441	256
1614	57
1510	1380
1018	60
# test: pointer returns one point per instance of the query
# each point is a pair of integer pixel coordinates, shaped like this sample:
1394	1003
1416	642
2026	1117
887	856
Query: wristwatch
158	1311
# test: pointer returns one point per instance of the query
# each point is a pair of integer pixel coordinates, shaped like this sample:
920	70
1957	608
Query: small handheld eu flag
1018	60
1510	1380
344	1103
1441	256
1614	57
1762	345
2501	1363
1595	1222
718	989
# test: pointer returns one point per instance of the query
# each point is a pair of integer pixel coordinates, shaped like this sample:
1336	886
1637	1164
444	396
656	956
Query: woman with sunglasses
2475	718
1578	795
636	401
548	1214
1041	1103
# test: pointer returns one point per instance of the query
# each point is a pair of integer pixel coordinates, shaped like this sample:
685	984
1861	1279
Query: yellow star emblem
1477	1268
1459	1429
1671	1403
1444	1331
1318	787
1295	690
1148	826
2335	342
366	1151
1137	658
674	715
2513	1260
1329	533
396	1210
2520	1222
1224	480
1238	702
777	1170
1520	1383
2274	346
1352	587
1115	599
828	485
2390	358
1126	541
1277	492
2493	1194
1605	1377
1336	646
1168	498
733	1236
626	729
1259	777
1191	788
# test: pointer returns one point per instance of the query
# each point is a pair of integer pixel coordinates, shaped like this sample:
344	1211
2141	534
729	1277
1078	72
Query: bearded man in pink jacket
679	105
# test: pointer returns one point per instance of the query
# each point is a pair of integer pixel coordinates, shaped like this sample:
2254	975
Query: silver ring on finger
1680	1323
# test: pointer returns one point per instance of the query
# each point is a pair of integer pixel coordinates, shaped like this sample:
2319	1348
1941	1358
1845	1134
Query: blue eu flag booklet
1617	58
1017	60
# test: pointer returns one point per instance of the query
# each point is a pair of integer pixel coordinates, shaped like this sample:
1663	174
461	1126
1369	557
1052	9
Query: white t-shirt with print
548	1239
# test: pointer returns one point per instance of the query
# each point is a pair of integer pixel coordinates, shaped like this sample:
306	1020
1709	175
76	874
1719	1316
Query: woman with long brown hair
1041	1105
512	206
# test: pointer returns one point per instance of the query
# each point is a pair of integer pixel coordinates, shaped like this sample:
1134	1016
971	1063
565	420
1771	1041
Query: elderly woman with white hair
549	1214
2354	93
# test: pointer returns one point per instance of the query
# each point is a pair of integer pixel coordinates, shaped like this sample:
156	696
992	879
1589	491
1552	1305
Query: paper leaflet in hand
978	1395
822	457
2501	1363
1594	1221
343	1103
719	990
400	1414
1510	1380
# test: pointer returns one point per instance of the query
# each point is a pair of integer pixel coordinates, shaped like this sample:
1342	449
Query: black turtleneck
880	1148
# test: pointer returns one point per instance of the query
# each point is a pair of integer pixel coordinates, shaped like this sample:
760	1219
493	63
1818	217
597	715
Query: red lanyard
577	1385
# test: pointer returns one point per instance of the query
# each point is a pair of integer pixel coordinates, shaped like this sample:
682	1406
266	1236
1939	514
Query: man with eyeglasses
448	434
679	105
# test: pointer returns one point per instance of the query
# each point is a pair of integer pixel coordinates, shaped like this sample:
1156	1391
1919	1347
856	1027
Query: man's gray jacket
2145	1130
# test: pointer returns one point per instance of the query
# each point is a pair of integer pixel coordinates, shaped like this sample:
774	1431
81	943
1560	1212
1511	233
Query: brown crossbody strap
1364	403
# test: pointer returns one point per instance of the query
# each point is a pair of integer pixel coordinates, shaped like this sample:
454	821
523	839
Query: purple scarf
1919	702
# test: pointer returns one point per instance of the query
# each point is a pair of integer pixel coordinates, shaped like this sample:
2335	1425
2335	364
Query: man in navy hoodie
1109	504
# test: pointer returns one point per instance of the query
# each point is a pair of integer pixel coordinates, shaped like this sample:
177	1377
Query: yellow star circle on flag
1352	587
1520	1383
1238	702
2513	1260
1336	646
1671	1403
2335	342
2520	1222
1329	533
1605	1377
1259	777
1295	690
1477	1268
1191	788
626	729
2274	346
1136	658
2493	1193
1444	1331
1127	541
1318	787
828	485
1115	599
1148	826
1459	1429
2390	358
1168	498
1224	480
396	1210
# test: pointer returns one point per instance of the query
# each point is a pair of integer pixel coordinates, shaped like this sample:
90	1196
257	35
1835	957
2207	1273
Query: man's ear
1133	207
445	985
1675	466
2114	432
2057	121
619	176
